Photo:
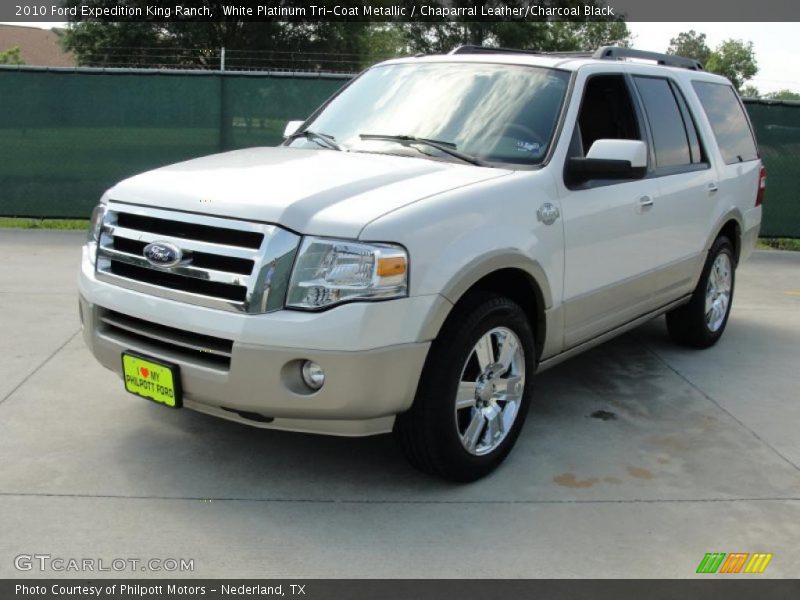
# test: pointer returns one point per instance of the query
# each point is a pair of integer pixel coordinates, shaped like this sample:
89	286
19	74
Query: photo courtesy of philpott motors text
420	299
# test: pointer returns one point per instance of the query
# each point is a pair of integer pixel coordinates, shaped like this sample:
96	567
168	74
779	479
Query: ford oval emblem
163	254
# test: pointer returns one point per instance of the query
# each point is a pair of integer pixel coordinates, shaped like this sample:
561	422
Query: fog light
313	375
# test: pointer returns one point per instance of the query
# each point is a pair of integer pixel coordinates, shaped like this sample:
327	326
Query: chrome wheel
490	391
718	292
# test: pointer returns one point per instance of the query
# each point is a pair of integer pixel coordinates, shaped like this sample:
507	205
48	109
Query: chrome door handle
645	202
712	188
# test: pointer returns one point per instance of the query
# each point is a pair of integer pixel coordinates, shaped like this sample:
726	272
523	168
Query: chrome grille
160	339
227	263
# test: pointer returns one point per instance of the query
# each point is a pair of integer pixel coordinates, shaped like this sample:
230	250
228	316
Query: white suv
439	230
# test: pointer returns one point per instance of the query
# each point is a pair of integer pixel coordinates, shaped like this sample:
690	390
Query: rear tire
701	322
474	391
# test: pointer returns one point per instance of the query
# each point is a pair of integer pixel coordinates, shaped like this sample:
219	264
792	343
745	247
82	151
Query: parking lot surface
637	458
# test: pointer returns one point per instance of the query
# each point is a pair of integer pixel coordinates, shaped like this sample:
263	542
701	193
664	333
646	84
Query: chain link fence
226	59
777	125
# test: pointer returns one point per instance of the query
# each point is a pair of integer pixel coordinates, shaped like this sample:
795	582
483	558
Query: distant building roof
38	47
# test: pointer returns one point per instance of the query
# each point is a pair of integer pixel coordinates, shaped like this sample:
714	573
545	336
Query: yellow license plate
151	379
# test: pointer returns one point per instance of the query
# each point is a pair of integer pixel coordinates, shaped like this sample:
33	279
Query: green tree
11	56
313	45
735	60
749	91
565	36
594	34
296	45
691	45
382	41
783	95
544	36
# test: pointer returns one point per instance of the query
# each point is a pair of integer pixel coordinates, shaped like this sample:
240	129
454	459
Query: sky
775	44
776	47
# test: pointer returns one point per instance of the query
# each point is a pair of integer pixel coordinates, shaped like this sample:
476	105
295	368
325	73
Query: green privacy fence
777	126
69	134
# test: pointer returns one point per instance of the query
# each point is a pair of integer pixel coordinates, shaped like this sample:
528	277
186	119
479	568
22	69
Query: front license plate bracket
151	378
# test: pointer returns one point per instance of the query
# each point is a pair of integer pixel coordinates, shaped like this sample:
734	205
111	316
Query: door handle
645	202
712	188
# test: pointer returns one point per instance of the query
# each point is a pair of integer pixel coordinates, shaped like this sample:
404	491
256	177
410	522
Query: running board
583	347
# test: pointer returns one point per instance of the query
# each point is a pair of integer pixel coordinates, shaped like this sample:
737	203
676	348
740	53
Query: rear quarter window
728	121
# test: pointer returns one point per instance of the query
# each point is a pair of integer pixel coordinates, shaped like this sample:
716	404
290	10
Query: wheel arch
512	275
731	226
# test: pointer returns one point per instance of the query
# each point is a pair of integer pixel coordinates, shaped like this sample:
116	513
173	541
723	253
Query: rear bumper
261	385
752	227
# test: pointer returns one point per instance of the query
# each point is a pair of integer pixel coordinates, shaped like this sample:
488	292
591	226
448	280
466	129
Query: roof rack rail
490	50
605	53
668	60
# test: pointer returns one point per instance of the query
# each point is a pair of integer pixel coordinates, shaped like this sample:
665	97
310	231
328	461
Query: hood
316	192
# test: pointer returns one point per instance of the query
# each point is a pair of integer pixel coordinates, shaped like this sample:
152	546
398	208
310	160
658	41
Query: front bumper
366	383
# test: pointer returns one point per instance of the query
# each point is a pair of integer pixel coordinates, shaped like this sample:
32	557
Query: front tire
701	322
474	391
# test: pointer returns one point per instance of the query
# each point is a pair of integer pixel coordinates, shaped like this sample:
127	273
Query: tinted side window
728	121
666	123
691	129
607	112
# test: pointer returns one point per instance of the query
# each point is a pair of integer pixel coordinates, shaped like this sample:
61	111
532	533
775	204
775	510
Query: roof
506	59
563	62
37	46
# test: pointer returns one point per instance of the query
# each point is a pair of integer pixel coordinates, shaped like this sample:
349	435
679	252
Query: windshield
494	113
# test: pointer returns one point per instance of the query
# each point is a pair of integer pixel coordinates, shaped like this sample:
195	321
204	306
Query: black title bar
398	10
714	587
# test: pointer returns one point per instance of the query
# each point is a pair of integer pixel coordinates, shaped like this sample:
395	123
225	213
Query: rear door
687	187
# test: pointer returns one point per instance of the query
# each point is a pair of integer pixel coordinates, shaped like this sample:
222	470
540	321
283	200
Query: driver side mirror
609	159
291	128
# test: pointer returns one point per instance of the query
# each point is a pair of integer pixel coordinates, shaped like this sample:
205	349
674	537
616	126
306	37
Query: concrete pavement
697	452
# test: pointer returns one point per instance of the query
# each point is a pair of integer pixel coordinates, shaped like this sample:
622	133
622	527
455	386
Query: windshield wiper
323	139
445	147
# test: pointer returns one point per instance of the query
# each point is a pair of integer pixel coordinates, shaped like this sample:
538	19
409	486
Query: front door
609	256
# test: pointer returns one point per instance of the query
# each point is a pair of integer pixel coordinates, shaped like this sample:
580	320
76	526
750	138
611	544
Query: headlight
328	272
96	223
95	227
